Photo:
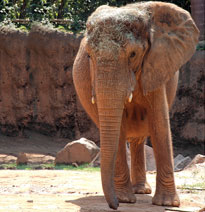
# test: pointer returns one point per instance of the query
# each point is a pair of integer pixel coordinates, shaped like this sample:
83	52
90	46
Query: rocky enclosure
36	87
187	114
37	92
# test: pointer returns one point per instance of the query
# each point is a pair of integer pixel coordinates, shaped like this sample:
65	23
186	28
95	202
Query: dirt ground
77	191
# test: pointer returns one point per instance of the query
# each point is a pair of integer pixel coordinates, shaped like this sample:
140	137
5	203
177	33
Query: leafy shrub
45	11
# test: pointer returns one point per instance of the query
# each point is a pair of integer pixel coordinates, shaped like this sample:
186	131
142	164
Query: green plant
83	167
44	11
200	47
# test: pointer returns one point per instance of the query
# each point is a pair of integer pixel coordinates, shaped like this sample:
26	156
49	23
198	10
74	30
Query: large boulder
80	151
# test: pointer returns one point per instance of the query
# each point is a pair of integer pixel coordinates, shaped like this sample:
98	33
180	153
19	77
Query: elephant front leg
159	128
138	172
123	185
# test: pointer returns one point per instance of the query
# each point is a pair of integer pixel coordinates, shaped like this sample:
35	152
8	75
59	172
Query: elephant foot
166	199
142	188
125	196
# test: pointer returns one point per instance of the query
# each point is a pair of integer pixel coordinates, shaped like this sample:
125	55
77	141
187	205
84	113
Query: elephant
125	74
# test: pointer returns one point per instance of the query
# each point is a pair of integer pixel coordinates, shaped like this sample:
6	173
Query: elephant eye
132	54
88	56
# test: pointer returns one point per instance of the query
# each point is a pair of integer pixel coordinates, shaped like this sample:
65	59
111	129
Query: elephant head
144	43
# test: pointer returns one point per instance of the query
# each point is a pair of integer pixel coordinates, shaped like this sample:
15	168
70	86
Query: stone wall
198	14
187	115
16	93
36	87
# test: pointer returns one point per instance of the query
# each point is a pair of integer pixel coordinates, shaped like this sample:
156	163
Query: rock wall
16	93
187	115
37	92
36	87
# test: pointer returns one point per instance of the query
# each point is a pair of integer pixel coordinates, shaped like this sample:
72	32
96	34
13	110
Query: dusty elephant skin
126	74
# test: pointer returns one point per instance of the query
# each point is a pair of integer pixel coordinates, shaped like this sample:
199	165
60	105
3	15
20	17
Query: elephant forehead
113	27
107	47
106	36
114	15
109	39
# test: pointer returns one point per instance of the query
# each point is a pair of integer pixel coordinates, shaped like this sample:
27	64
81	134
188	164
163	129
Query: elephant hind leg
138	172
123	186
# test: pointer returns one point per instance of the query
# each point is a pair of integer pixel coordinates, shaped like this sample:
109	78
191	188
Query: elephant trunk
110	109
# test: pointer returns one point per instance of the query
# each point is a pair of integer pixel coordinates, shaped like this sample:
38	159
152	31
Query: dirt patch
76	191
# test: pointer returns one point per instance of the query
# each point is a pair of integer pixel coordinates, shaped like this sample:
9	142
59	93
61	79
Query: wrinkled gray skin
125	75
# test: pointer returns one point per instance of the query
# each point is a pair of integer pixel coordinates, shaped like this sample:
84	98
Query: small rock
27	158
96	161
4	159
178	159
180	165
198	159
80	151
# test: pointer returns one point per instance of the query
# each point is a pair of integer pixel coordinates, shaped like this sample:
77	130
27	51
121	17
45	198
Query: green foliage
200	46
45	11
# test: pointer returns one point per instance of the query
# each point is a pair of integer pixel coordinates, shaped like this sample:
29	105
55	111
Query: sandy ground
77	191
80	191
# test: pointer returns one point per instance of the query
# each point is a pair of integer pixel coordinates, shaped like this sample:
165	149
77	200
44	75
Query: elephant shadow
99	204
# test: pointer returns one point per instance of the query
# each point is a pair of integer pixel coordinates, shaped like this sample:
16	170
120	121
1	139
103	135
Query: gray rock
96	161
178	159
80	151
150	159
181	162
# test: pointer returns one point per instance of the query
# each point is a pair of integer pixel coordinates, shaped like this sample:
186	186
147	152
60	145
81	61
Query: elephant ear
173	39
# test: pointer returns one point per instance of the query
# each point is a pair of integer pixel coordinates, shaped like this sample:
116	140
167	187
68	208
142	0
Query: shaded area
98	204
35	143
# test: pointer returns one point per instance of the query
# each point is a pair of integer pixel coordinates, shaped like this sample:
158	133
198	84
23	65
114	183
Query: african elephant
126	74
